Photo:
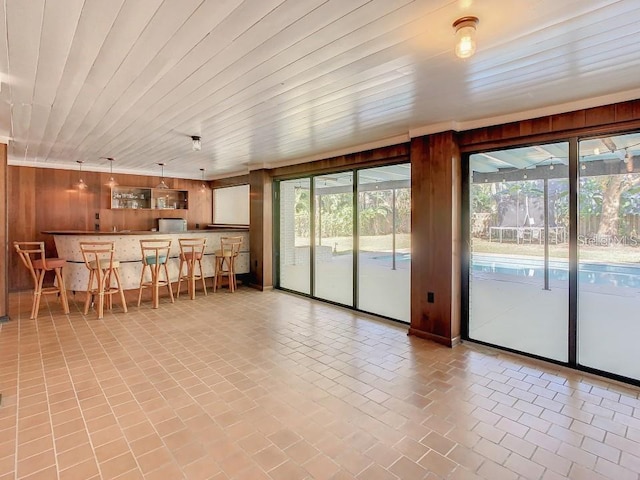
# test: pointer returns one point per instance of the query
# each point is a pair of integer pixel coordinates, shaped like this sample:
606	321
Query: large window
345	237
554	251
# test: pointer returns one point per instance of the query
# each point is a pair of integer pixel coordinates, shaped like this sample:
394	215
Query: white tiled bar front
127	251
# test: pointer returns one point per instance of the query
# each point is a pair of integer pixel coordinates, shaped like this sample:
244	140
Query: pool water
589	273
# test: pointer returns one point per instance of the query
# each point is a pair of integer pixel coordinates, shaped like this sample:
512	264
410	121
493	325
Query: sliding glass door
345	237
295	235
384	240
333	245
609	255
554	257
519	270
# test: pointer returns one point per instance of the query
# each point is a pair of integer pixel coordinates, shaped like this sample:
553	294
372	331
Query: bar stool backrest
192	248
98	256
28	249
230	246
155	252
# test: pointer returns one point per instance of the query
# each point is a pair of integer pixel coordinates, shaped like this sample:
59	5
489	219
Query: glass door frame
572	307
312	232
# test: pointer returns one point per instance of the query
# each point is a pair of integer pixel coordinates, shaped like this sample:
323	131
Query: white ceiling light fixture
162	184
465	28
196	143
112	181
81	185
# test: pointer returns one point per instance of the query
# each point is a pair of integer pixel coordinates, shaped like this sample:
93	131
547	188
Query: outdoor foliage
336	210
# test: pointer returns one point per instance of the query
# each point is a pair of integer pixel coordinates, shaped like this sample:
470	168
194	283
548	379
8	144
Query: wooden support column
260	229
4	236
435	238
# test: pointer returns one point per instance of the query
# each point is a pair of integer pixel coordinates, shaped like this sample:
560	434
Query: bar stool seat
33	257
154	258
191	253
98	258
225	259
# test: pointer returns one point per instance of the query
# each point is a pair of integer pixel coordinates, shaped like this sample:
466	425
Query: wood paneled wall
261	229
5	252
435	238
370	158
591	121
42	199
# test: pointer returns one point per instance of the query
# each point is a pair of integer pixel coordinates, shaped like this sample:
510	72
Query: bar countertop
138	232
128	253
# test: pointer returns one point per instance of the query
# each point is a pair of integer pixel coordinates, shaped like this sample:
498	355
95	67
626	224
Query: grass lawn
383	243
377	243
612	254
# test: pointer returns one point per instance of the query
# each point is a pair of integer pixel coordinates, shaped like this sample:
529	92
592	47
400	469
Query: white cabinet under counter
127	251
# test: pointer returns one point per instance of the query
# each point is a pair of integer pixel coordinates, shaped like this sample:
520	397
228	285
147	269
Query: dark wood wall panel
375	157
43	199
261	229
590	121
5	253
435	238
230	181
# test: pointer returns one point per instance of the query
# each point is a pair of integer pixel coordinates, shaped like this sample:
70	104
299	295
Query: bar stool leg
204	284
192	279
63	290
37	294
116	273
166	274
101	282
144	267
179	278
155	270
87	302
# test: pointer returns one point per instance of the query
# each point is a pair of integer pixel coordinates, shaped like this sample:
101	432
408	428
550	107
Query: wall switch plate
430	297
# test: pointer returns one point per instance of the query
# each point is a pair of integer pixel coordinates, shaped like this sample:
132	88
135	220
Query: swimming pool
589	273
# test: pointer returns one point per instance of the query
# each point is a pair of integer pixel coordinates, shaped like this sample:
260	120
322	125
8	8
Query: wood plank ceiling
268	82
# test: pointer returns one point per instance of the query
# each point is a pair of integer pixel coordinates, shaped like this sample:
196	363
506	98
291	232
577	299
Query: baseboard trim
449	342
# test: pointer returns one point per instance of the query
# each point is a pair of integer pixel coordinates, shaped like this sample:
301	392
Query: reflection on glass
518	285
333	267
295	235
609	254
384	228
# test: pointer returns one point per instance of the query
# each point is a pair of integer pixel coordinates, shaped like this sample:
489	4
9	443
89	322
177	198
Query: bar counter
127	251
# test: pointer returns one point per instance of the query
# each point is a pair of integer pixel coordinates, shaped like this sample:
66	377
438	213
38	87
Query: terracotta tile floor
266	385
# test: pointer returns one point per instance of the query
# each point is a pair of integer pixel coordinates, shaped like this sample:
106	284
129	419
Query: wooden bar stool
191	253
34	258
155	254
98	257
226	260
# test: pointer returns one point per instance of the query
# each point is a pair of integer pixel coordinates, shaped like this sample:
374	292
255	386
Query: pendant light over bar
112	181
162	184
81	185
203	185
